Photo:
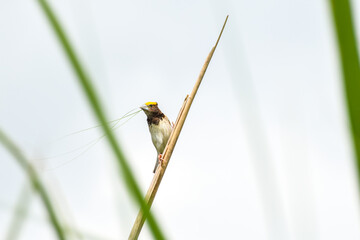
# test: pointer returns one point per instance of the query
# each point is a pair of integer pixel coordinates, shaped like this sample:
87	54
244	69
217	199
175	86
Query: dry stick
150	195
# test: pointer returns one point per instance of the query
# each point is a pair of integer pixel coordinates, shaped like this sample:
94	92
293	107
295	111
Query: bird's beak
144	108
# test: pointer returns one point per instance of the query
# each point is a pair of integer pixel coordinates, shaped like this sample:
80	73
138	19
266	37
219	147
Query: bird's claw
161	159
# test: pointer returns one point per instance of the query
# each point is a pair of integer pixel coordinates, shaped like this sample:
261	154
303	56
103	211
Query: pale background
264	154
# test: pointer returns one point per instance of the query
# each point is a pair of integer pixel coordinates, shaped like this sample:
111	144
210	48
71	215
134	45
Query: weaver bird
159	126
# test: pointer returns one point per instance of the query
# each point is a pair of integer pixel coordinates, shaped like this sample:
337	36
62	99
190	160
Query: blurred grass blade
20	213
342	16
35	181
89	90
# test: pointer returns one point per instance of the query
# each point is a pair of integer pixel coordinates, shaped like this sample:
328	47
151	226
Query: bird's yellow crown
150	103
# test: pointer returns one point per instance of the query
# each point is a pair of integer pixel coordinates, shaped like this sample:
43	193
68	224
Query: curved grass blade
94	101
36	183
348	50
20	213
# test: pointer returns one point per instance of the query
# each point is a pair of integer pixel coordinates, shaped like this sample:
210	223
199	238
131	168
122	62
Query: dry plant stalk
160	171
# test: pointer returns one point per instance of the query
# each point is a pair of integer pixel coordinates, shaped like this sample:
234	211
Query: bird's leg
161	159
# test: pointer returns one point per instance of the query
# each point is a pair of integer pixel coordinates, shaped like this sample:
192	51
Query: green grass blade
89	90
341	11
35	181
20	213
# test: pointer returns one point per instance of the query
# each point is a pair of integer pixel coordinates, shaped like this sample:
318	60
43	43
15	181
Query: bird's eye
151	105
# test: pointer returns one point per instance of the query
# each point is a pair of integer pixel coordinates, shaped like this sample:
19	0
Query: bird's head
150	108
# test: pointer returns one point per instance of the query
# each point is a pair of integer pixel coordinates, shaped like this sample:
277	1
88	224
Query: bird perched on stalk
159	126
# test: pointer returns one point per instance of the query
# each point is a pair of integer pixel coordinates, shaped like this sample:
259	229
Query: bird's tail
156	164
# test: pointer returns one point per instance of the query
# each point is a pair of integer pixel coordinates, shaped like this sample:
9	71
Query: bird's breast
160	134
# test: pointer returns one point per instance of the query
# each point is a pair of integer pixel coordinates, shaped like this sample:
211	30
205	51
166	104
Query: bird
159	126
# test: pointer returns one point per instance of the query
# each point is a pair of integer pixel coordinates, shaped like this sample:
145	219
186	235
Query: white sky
264	154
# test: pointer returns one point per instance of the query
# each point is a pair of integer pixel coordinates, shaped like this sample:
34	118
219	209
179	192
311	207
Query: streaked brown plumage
159	126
